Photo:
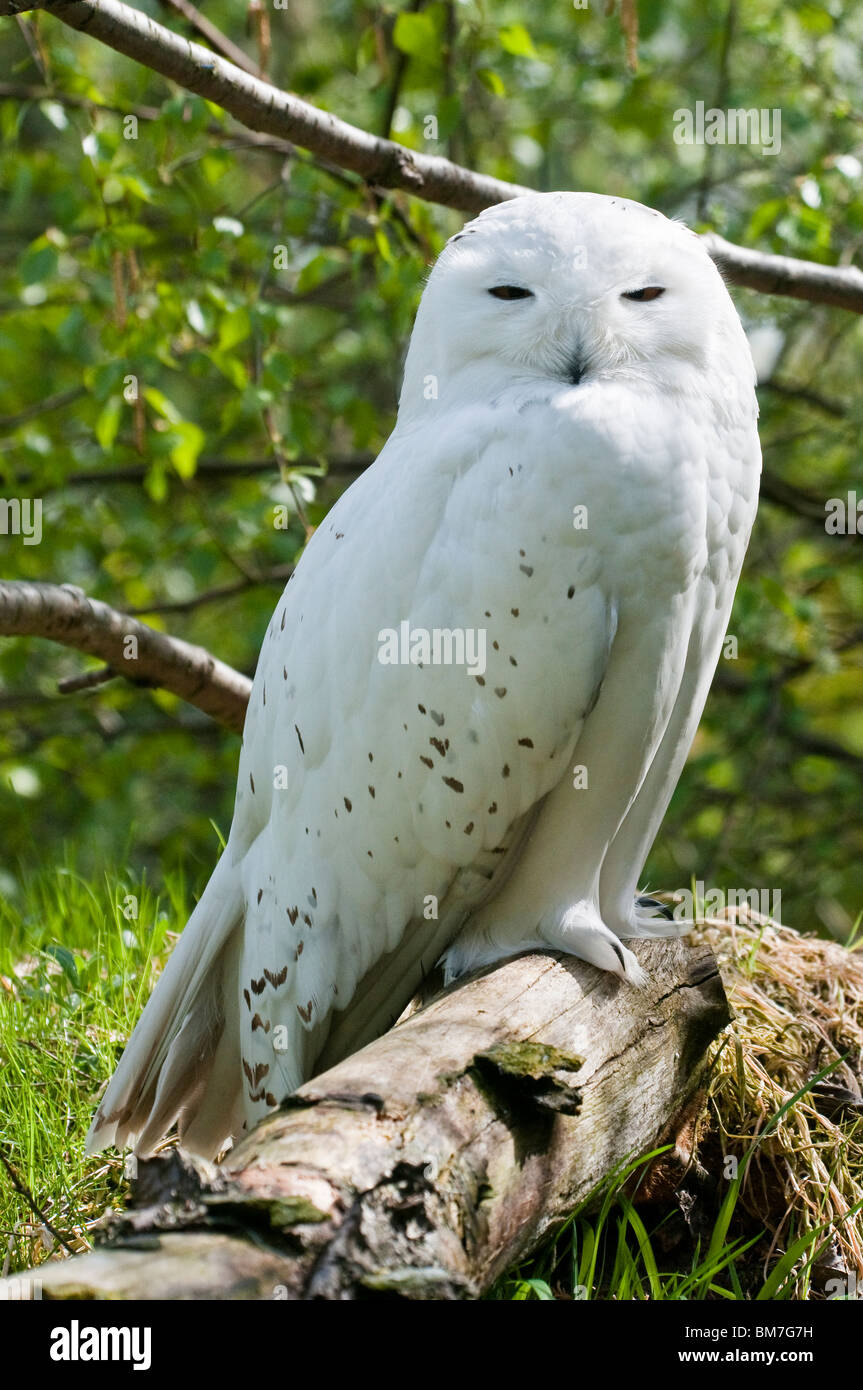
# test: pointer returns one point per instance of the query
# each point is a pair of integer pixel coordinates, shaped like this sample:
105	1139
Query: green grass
74	975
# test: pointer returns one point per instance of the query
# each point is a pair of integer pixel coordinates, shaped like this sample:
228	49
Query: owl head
570	289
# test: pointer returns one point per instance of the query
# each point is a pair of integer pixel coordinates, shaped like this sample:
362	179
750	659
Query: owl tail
180	1064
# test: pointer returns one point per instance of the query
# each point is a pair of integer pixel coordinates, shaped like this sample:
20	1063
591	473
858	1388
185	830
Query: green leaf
66	961
39	262
190	441
234	327
108	422
160	403
515	39
490	79
416	35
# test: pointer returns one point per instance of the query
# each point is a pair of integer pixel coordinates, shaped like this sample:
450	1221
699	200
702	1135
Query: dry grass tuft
798	1006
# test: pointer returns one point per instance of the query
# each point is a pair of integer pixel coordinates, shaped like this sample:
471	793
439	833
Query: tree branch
425	1165
213	36
260	106
785	275
64	614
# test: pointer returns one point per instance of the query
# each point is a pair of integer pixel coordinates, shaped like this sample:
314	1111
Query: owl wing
420	689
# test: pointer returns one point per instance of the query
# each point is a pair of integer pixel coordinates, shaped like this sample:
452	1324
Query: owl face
575	287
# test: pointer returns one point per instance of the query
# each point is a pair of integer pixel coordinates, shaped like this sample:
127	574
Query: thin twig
23	1191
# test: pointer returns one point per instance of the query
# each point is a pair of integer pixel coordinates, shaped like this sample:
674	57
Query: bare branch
41	407
280	574
260	106
756	270
803	393
207	467
775	489
213	36
64	614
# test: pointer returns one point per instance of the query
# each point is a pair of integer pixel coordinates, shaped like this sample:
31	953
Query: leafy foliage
148	250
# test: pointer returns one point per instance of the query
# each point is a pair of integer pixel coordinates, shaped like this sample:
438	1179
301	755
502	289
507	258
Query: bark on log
425	1165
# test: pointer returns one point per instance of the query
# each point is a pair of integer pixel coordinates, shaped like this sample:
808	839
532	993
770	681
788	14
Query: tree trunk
425	1165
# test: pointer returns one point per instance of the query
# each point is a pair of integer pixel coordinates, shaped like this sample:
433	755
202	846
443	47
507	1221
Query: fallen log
427	1164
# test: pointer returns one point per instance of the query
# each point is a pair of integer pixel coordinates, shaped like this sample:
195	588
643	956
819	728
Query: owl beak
575	370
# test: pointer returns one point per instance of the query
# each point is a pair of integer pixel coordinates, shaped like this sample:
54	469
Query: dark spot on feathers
526	569
496	646
453	783
480	680
270	1099
260	894
447	824
300	737
252	783
512	661
438	718
277	980
525	743
305	1013
372	792
468	830
500	691
492	808
436	743
299	951
428	762
248	999
371	757
265	694
505	770
514	612
258	986
293	913
284	611
284	673
487	614
570	591
521	553
421	708
258	1022
368	851
348	805
340	535
307	919
260	1071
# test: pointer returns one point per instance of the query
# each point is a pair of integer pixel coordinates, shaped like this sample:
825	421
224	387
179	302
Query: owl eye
511	292
650	292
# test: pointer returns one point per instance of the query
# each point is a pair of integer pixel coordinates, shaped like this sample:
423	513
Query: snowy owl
479	687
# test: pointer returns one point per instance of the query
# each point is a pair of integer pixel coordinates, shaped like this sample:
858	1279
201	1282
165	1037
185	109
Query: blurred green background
154	256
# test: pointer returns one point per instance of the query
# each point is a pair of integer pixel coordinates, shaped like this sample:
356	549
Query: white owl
478	690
